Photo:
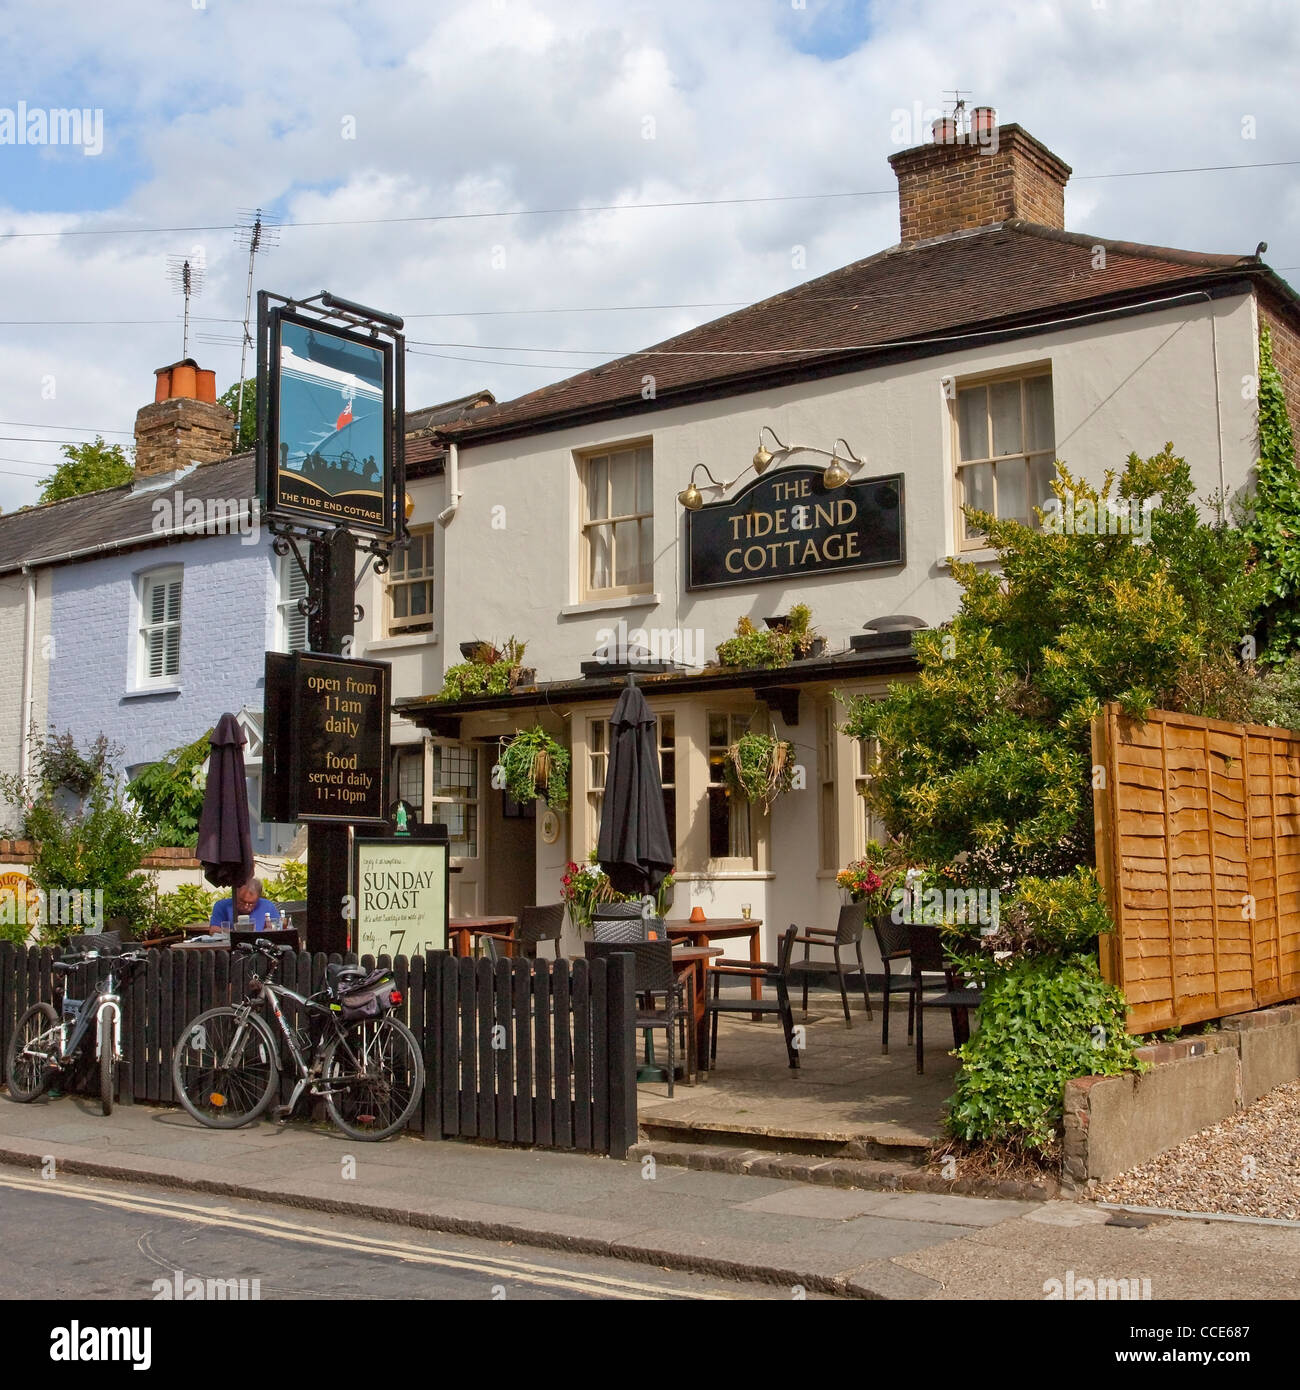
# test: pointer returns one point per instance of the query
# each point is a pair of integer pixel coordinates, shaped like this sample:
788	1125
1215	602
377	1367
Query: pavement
866	1244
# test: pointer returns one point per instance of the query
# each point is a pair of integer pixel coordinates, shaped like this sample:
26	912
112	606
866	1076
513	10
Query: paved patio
846	1096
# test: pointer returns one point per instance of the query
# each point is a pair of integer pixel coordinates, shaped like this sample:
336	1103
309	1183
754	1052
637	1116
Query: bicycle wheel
380	1061
33	1051
225	1067
107	1076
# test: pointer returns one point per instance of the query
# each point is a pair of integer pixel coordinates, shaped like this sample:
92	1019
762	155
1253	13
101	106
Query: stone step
776	1139
873	1174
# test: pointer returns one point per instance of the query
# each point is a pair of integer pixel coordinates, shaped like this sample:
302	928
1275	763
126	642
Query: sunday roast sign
401	896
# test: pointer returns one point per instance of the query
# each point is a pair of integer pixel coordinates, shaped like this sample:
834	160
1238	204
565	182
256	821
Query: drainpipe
453	484
1218	398
29	660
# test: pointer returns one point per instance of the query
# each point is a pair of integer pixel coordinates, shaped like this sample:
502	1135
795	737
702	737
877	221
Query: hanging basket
760	767
534	765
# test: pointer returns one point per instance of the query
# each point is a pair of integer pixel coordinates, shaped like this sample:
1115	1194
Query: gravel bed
1248	1165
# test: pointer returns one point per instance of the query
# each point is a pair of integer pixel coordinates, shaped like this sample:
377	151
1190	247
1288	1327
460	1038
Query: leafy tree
90	841
989	751
87	468
169	793
247	418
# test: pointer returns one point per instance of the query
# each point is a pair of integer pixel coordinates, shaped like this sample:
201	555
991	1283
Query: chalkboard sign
325	754
400	889
788	524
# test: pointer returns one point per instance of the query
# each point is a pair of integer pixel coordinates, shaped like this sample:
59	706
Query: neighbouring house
953	368
145	611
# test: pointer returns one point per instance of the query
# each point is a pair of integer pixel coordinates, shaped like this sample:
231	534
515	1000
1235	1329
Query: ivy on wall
1274	529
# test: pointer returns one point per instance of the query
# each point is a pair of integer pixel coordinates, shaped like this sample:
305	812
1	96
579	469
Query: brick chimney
184	424
968	180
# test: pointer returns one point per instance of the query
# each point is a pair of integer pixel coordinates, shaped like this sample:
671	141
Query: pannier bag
368	997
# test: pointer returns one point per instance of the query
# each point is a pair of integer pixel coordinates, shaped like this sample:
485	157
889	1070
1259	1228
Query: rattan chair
619	922
654	976
929	958
848	932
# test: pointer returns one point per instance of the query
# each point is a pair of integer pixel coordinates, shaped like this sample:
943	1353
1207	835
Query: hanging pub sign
325	745
328	452
788	524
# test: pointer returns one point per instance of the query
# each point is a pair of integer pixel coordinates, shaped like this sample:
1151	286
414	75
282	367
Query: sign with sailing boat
329	452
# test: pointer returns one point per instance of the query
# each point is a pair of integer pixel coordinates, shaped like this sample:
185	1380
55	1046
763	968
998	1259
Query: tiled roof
1009	273
423	444
118	515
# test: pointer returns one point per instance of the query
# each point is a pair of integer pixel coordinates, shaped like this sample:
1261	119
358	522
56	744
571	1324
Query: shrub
191	902
169	793
290	885
754	647
1043	1022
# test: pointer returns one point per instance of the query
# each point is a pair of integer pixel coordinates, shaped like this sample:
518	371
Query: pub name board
325	756
789	524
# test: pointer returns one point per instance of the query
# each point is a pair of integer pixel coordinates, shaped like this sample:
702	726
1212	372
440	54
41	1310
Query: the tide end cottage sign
789	524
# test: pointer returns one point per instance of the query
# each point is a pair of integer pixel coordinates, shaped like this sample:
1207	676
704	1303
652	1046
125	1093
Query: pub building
815	448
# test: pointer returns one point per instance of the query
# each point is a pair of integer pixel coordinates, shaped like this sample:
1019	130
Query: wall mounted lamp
843	462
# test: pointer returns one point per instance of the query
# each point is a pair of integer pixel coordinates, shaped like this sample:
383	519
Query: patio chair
537	924
928	958
848	932
654	976
619	922
777	975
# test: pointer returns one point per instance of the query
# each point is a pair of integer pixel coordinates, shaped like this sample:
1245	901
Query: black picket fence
536	1053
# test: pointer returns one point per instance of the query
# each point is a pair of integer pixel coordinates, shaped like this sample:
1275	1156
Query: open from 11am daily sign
326	751
401	896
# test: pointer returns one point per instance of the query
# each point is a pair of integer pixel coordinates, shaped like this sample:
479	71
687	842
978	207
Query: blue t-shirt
223	913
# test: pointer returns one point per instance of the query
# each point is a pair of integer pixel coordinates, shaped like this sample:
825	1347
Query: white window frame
966	541
738	721
426	574
475	800
291	585
587	525
146	584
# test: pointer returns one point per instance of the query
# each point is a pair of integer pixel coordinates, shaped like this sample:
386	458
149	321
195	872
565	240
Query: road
90	1238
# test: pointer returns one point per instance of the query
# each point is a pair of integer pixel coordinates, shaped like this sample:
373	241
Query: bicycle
44	1043
369	1071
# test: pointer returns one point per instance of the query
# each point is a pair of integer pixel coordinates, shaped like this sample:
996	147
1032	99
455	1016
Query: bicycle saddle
337	973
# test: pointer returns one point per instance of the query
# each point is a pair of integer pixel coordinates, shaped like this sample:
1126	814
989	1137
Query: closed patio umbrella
225	847
635	848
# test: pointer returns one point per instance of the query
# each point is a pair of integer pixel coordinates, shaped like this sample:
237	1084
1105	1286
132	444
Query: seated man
247	902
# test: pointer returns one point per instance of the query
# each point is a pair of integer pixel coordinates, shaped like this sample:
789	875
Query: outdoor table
700	933
461	931
692	960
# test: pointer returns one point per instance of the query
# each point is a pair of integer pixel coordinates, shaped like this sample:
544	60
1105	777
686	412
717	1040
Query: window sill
144	691
729	875
599	605
411	639
984	556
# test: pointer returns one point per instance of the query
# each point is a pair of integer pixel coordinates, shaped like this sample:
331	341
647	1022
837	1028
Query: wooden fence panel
1198	850
522	1052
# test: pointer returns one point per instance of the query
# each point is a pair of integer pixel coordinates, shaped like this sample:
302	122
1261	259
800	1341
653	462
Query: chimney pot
184	424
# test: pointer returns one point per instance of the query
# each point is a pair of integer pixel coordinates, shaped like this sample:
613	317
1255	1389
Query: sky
481	167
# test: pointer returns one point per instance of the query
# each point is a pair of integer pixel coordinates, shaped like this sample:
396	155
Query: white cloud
479	106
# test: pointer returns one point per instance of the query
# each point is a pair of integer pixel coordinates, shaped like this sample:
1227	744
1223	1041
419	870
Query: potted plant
750	647
760	767
585	887
805	640
480	675
533	765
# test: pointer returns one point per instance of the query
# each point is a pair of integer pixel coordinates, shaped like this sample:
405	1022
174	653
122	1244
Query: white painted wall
13	634
1121	386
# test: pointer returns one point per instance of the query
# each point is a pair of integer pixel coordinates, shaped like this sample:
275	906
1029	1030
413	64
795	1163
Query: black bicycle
44	1044
346	1049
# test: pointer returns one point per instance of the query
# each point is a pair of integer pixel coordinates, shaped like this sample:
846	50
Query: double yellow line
498	1268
